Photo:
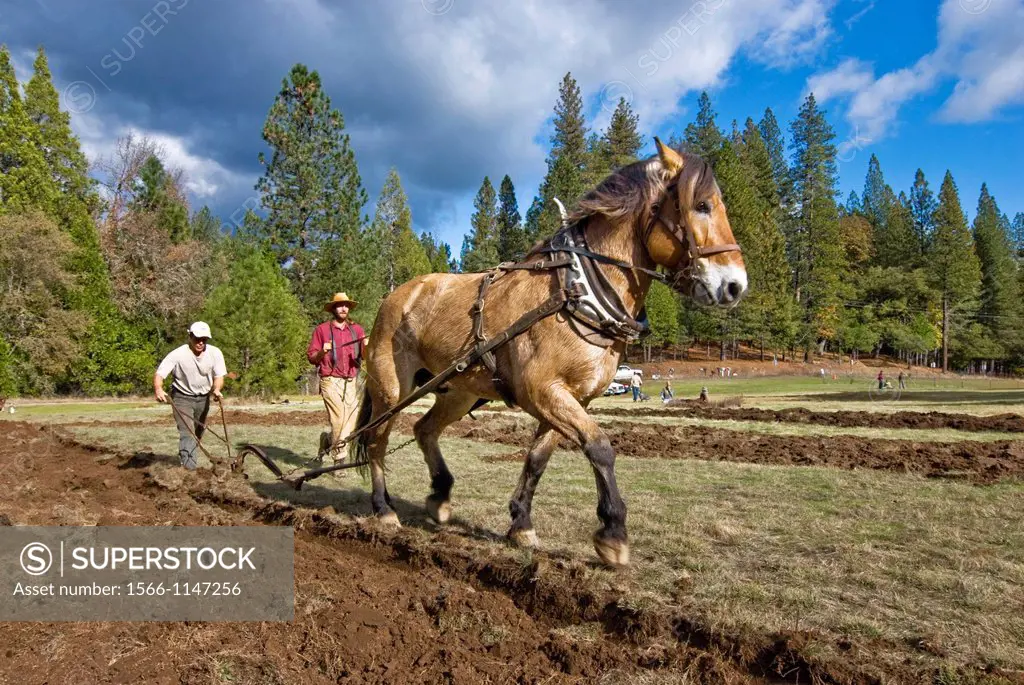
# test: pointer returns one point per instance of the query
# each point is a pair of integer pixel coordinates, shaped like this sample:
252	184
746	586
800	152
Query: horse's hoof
614	553
439	510
524	538
390	519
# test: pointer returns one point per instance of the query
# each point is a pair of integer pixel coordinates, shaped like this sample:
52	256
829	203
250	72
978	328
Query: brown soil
373	605
978	462
1004	423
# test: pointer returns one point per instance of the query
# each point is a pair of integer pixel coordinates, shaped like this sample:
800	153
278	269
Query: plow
295	477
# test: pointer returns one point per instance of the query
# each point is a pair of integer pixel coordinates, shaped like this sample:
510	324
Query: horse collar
595	302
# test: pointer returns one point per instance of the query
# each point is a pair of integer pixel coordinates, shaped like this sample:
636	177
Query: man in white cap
199	370
336	349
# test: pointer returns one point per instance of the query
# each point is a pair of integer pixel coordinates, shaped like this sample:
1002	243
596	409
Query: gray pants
192	411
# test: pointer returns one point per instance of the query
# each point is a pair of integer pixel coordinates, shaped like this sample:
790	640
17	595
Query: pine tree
773	140
702	136
622	139
205	226
512	244
896	242
876	198
109	356
311	190
1017	232
662	314
480	251
853	204
401	254
819	261
25	178
260	325
922	207
751	195
1001	310
156	194
952	262
68	164
566	177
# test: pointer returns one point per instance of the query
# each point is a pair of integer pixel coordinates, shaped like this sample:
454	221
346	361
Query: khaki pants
341	397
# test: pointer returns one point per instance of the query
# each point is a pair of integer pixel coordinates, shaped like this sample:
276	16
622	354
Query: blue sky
447	91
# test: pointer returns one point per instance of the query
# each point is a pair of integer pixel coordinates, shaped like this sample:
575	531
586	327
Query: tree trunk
945	334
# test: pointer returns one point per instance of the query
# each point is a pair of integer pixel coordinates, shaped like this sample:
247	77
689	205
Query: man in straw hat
337	351
199	370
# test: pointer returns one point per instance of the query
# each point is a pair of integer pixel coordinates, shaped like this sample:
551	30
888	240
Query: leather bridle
684	234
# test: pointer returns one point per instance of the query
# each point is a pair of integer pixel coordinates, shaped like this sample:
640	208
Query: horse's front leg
558	407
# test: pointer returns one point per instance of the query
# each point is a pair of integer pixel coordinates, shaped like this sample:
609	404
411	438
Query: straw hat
339	298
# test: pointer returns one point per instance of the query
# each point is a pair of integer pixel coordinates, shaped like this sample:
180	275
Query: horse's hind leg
448	408
376	447
544	442
389	378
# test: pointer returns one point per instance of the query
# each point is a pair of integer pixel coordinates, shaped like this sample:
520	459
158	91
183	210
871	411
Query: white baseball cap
200	329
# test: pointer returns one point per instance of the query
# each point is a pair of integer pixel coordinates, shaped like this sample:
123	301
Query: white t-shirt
193	375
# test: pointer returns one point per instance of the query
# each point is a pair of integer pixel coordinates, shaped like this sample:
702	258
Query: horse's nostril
734	290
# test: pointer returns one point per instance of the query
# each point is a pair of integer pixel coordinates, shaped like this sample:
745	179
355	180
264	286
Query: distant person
881	380
902	379
666	393
199	370
635	383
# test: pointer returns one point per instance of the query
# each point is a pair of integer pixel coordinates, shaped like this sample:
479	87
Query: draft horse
665	211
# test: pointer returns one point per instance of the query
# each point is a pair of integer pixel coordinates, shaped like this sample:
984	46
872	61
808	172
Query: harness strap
583	252
549	307
684	236
487	357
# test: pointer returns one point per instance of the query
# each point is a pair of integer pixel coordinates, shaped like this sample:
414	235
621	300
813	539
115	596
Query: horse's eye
703	207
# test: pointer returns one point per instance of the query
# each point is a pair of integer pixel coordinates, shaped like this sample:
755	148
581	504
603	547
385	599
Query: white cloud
849	77
978	47
204	177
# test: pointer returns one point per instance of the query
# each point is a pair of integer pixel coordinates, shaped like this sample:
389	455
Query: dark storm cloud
446	91
208	71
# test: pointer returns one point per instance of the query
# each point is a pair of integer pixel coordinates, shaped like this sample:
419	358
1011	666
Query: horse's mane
633	190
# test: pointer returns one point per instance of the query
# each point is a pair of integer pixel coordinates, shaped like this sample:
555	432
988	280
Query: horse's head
689	232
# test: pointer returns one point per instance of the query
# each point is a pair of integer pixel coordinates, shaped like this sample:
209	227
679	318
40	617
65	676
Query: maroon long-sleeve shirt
343	360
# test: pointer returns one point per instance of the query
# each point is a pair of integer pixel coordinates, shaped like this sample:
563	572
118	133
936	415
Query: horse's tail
359	449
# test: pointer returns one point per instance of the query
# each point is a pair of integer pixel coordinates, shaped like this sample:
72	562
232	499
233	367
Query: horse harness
583	291
596	312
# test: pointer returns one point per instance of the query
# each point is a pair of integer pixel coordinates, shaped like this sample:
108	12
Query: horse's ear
670	159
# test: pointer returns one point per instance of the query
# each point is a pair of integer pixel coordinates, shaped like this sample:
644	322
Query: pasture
808	535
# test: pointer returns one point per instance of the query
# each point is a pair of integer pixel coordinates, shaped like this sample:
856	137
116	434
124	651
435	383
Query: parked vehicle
624	374
616	389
